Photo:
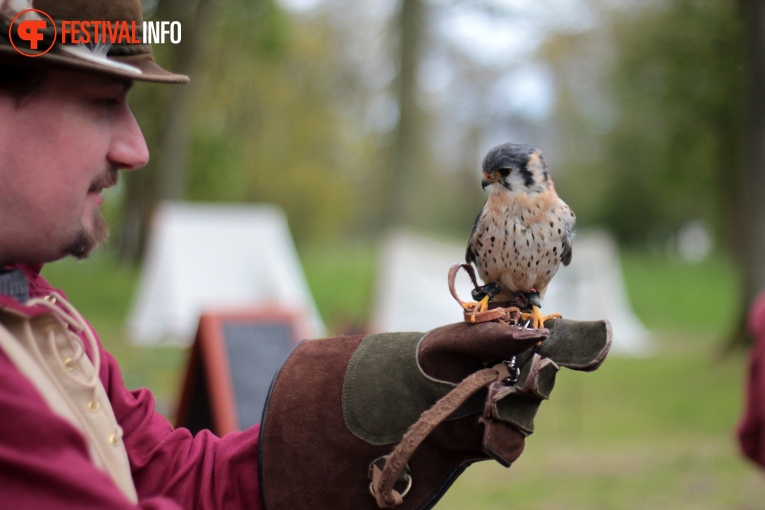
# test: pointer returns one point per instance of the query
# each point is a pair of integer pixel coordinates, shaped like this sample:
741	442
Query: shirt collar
13	283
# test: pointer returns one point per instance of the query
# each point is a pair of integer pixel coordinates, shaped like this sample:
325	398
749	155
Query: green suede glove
340	406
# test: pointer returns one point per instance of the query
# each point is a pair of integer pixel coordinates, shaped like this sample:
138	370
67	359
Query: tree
751	218
406	162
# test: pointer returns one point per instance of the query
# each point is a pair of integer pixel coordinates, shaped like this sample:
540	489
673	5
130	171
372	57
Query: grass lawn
653	432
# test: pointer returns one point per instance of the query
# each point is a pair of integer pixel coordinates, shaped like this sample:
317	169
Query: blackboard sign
232	363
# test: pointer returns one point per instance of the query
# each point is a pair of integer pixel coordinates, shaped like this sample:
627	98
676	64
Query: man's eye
109	102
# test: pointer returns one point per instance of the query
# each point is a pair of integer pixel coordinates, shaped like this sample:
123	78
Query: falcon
523	233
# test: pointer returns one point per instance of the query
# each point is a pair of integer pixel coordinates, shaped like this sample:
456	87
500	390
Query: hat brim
146	68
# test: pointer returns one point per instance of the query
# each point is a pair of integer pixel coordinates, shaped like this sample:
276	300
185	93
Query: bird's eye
504	172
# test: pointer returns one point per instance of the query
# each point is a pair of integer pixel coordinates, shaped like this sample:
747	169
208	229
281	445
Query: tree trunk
397	196
165	176
173	147
751	228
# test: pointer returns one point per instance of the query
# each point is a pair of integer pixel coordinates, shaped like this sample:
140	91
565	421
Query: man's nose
128	150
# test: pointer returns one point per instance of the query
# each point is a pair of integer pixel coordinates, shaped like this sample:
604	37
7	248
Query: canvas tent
223	257
413	294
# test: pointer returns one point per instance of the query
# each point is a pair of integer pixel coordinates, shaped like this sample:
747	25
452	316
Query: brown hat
130	60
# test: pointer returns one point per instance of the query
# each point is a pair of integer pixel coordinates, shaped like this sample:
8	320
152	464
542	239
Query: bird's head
515	167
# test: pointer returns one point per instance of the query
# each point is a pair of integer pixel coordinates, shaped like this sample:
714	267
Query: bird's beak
488	179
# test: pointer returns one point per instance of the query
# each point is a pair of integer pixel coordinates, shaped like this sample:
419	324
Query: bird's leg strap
473	312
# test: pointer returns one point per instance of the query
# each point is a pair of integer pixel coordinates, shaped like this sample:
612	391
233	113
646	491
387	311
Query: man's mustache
107	179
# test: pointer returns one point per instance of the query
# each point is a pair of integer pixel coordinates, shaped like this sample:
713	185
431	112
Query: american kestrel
524	231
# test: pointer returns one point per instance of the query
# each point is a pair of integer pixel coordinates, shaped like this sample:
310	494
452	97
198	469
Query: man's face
58	149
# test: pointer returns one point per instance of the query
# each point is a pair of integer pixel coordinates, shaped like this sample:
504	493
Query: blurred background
361	119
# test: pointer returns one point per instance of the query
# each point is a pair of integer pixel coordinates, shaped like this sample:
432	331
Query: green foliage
676	151
270	119
651	105
265	128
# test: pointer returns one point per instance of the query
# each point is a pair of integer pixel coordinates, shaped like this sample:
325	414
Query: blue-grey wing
470	254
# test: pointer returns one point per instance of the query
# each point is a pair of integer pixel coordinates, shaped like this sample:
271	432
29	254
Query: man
72	435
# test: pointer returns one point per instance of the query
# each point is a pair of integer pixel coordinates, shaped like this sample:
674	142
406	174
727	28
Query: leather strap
382	486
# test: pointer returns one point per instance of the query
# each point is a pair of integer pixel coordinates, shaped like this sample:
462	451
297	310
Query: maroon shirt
751	429
44	460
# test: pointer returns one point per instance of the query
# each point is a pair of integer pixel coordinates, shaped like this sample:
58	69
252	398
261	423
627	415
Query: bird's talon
477	307
536	318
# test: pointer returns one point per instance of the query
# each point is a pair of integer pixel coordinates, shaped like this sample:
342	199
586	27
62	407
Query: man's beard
88	240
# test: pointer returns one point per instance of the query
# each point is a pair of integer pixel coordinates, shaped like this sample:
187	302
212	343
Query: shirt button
69	364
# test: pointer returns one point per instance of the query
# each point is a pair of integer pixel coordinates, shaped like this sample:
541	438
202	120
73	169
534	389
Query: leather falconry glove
391	420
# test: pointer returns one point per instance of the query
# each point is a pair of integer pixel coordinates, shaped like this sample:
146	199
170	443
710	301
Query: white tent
204	256
413	292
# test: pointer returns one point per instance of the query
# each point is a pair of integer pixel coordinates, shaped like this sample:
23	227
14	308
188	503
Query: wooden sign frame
207	398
